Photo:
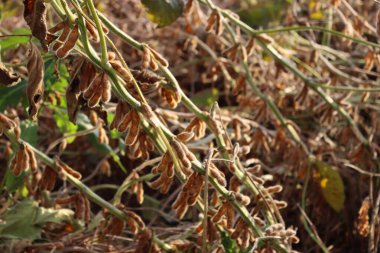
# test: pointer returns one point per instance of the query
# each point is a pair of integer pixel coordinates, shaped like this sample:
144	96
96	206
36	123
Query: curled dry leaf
7	77
35	17
72	98
35	88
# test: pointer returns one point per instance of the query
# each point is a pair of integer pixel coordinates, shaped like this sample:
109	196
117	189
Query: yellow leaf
315	10
332	186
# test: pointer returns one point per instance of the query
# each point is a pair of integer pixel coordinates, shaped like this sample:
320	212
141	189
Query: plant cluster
227	138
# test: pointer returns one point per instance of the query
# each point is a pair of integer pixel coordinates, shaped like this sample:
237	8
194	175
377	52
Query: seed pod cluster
239	127
148	81
151	59
212	232
144	242
24	159
198	127
99	90
137	187
141	148
225	210
115	226
189	194
81	204
242	234
95	87
171	97
67	169
217	174
50	177
287	235
215	20
7	124
119	68
184	155
66	40
166	170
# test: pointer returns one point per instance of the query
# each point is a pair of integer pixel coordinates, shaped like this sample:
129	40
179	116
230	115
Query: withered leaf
72	98
35	17
35	88
7	77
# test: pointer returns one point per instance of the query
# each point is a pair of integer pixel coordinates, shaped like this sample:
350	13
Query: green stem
99	27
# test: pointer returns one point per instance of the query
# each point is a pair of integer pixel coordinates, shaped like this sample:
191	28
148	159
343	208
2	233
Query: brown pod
216	173
7	122
92	87
126	121
64	201
63	51
211	21
170	170
133	130
16	164
49	178
159	58
106	89
57	27
115	226
92	31
68	169
153	65
274	189
146	57
87	208
133	226
166	159
156	184
378	23
79	207
123	72
245	200
118	116
181	200
181	211
62	38
179	149
25	157
166	186
138	220
33	165
140	193
185	136
221	212
88	74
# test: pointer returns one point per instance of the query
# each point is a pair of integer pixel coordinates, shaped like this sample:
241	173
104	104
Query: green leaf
331	185
229	245
11	96
206	97
163	12
52	82
13	183
63	123
25	220
15	41
29	132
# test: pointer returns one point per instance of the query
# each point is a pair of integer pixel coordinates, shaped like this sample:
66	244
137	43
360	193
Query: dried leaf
73	99
35	17
35	88
7	77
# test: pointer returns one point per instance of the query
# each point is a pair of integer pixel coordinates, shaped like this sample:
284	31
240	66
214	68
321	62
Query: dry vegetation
193	126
